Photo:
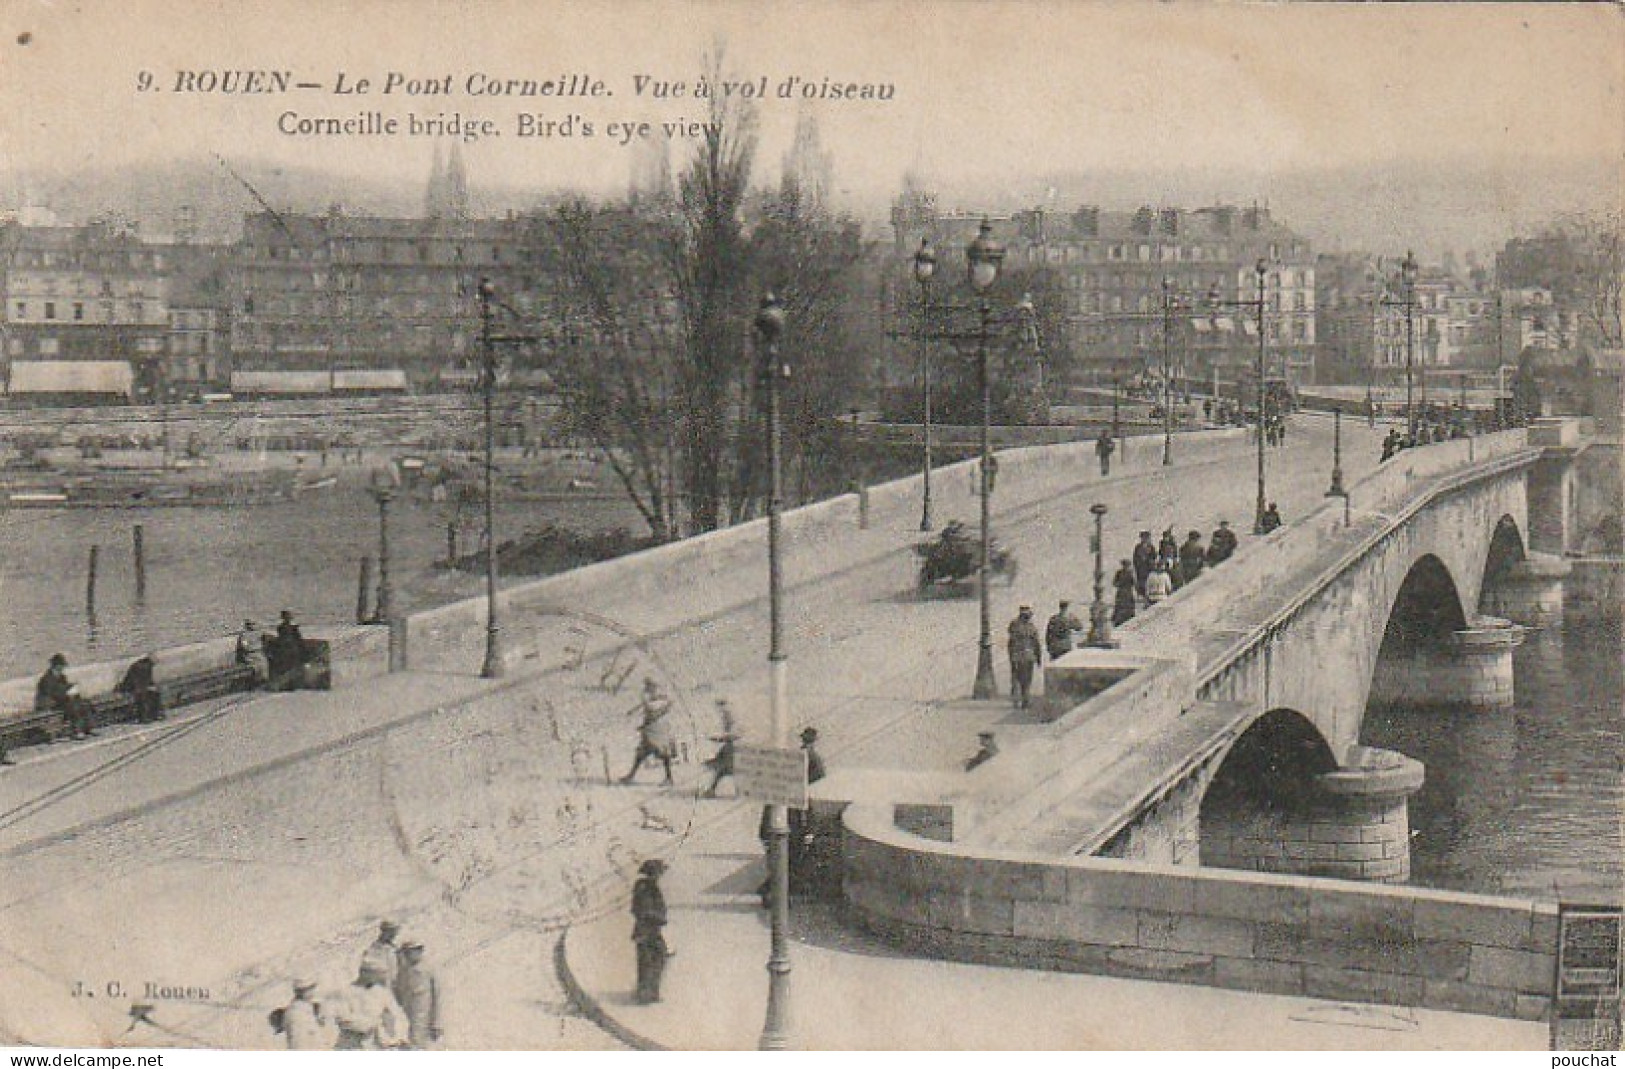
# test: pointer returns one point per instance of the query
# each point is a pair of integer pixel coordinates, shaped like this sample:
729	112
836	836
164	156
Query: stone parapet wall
1251	931
717	554
357	653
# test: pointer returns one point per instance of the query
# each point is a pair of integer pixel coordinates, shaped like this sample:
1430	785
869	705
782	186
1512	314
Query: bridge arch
1279	802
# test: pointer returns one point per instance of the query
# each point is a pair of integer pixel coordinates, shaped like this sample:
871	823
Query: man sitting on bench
55	694
138	684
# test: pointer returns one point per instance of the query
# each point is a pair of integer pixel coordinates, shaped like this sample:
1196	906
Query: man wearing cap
1145	558
417	989
383	955
1058	632
1192	556
1025	654
1221	545
301	1022
799	820
648	930
55	694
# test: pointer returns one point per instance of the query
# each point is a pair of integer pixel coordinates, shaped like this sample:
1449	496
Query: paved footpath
851	991
239	850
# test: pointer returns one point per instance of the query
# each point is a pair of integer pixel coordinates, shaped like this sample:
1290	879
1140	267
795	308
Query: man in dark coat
1272	518
55	693
1104	448
1168	546
1059	631
1145	558
1222	545
1124	605
1192	556
648	930
1025	654
139	684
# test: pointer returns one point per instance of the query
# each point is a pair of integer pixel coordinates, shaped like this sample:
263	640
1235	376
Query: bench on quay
117	707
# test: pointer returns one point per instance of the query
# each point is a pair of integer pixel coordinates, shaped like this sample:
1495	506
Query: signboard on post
1586	1009
771	775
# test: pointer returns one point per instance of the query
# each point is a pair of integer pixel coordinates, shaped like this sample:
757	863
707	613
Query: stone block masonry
1251	931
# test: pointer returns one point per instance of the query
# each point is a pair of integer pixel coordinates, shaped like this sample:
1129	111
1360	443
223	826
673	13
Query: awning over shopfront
107	377
296	383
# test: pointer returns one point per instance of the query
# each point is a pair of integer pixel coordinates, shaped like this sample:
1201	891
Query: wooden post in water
363	591
90	582
139	539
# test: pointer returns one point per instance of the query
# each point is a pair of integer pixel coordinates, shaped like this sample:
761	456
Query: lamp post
925	265
1169	297
492	667
1336	489
1260	270
982	260
1117	431
382	488
1407	275
1100	613
776	1027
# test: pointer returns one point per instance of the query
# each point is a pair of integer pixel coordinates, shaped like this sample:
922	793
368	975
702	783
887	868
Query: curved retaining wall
1252	931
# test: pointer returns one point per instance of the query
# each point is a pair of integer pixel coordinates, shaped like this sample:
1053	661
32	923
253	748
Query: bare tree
1593	272
615	352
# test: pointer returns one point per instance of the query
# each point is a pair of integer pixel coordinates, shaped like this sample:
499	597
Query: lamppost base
493	668
1100	628
986	686
1336	489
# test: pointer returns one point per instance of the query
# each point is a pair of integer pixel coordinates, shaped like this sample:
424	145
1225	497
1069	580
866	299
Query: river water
1526	800
209	569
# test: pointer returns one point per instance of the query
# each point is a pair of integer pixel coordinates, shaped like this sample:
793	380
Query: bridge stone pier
1222	739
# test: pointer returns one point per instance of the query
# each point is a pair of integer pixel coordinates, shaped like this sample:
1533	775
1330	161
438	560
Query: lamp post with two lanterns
925	266
771	371
1260	272
983	258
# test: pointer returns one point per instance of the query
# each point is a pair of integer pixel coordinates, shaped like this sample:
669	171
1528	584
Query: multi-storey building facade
336	291
1112	267
85	293
1363	314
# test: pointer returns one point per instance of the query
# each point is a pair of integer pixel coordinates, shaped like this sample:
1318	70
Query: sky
983	92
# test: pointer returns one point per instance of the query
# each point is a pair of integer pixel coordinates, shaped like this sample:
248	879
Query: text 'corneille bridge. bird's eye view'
670	599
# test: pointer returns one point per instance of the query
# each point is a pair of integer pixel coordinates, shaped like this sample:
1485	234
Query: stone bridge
1224	733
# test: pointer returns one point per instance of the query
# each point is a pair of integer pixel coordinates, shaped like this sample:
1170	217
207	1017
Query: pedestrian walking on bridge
1124	605
1104	448
655	737
1025	654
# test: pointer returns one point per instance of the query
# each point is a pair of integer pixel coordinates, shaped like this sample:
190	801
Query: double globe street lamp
1260	271
983	258
925	266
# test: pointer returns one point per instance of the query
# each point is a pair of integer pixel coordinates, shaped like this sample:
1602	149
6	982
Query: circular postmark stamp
534	803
